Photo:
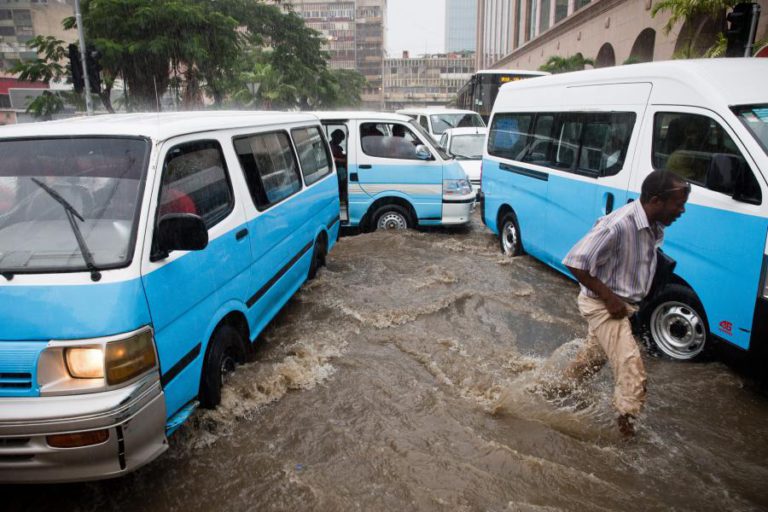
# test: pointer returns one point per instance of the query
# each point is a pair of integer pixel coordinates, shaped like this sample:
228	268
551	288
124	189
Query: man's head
663	195
337	136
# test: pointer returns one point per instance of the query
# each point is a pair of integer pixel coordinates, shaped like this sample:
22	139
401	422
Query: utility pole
84	59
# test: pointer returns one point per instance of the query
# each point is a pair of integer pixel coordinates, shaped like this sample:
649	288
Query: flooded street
402	379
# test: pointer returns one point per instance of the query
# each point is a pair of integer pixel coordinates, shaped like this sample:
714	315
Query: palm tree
557	64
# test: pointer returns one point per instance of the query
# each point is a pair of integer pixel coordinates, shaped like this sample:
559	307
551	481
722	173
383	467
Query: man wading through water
615	263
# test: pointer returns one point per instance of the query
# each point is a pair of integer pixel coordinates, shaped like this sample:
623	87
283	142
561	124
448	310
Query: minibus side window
195	180
314	159
269	166
509	135
389	140
540	148
693	146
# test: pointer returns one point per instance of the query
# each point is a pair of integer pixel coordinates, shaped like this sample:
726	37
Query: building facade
20	21
425	81
354	32
523	34
460	25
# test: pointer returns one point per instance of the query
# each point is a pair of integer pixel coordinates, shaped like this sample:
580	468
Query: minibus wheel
509	236
225	351
318	257
391	216
676	323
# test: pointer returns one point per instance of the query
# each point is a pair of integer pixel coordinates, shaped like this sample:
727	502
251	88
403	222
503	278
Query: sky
415	25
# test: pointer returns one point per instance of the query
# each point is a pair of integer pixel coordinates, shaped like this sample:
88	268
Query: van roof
158	126
357	114
434	110
731	81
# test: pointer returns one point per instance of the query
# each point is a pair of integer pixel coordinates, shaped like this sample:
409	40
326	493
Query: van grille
15	380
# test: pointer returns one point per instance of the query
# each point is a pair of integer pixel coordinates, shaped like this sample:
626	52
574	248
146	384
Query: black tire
676	323
225	351
391	216
510	242
319	252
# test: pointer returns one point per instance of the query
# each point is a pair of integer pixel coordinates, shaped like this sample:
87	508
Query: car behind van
466	145
565	150
140	256
436	120
392	175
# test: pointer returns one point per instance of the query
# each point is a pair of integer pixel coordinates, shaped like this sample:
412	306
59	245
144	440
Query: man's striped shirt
620	250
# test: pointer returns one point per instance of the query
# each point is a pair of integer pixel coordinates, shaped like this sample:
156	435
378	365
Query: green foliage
686	10
47	66
556	64
46	105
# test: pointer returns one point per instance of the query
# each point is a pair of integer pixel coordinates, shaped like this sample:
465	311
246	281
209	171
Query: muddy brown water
400	380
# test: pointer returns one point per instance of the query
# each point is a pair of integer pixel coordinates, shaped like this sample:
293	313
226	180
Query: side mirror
423	153
723	172
180	232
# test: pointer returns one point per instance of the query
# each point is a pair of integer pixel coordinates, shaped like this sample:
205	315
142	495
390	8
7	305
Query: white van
392	175
564	150
140	256
435	120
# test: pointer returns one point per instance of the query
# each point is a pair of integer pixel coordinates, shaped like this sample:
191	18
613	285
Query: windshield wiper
71	214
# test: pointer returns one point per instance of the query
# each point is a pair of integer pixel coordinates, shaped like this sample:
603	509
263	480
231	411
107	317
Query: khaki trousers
610	339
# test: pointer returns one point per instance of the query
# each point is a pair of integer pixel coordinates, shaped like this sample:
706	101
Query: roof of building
158	126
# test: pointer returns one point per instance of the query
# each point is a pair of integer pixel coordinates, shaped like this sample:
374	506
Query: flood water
402	378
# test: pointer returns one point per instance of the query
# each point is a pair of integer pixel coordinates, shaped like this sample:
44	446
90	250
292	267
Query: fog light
77	439
85	363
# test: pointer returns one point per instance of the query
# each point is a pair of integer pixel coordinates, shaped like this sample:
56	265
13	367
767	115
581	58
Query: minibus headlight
96	364
456	187
130	357
85	362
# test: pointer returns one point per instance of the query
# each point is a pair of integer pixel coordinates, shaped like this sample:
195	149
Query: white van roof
434	110
357	114
697	82
156	126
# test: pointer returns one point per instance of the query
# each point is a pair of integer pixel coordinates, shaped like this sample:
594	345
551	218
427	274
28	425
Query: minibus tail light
128	358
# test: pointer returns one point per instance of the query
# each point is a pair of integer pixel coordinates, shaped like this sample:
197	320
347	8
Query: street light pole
83	58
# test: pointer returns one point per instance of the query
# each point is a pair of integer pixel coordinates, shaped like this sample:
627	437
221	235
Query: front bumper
458	210
134	416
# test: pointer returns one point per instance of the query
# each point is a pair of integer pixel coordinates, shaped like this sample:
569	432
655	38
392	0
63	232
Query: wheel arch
383	201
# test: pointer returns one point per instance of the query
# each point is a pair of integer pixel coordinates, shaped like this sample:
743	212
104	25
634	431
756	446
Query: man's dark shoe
626	428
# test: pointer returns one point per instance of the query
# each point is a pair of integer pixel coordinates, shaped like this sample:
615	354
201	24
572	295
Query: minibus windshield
441	122
69	204
469	147
755	118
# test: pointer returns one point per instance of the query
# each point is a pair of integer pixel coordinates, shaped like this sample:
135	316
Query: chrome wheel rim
678	330
392	220
509	238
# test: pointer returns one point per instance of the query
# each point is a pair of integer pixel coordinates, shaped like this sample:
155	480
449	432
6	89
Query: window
270	167
698	149
195	180
594	144
508	136
313	153
423	122
388	140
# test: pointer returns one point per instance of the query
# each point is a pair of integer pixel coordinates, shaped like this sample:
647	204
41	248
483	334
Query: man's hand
615	306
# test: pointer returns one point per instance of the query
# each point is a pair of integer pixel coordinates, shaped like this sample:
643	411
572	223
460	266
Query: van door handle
608	203
241	234
364	166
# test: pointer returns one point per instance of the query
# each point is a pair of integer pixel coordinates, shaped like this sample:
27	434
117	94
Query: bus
480	91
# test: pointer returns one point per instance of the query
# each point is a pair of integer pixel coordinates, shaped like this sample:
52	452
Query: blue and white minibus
392	175
140	256
564	150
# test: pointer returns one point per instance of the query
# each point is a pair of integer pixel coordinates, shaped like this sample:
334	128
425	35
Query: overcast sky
415	25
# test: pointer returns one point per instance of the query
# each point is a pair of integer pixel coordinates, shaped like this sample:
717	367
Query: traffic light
76	68
742	24
94	69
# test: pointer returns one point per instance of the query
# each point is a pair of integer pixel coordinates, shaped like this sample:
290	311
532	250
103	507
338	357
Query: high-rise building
430	80
460	25
354	32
